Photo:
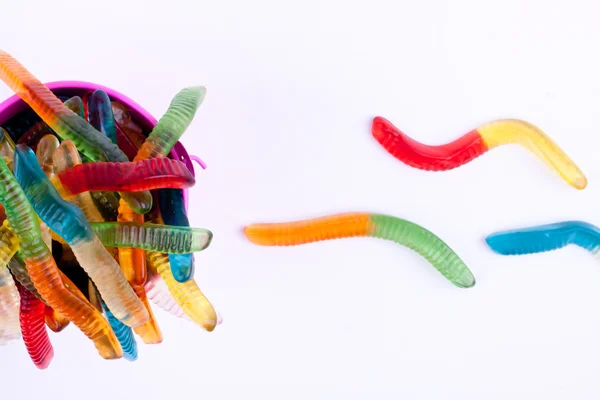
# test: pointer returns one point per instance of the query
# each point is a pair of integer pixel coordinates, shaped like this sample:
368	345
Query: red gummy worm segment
422	156
156	173
32	317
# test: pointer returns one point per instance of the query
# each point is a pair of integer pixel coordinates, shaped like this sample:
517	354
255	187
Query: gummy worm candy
406	233
159	143
9	244
44	273
66	123
55	321
173	212
153	237
9	308
474	144
69	223
543	238
187	294
33	328
45	150
32	137
161	140
129	128
100	114
65	157
17	267
125	143
157	291
172	124
124	335
7	147
128	176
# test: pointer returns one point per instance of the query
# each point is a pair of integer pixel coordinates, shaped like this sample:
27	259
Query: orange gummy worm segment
310	230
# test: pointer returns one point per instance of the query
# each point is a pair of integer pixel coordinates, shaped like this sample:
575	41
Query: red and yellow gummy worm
475	143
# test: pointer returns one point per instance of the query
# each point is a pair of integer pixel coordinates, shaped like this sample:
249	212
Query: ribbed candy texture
172	209
100	114
69	223
7	147
45	151
17	268
543	238
124	335
475	143
153	237
66	123
32	317
422	156
9	244
424	242
158	144
44	273
150	174
157	291
403	232
187	295
66	156
531	137
9	308
173	123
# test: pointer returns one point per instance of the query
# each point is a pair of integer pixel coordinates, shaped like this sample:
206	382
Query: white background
285	130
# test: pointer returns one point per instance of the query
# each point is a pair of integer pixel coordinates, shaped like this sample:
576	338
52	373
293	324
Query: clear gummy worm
67	124
403	232
9	308
153	237
44	273
187	295
475	143
544	238
70	223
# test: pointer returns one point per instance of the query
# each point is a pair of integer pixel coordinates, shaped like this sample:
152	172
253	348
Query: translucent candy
403	232
9	308
100	114
67	124
172	209
44	273
33	328
474	144
124	335
153	237
70	223
543	238
187	295
130	176
65	157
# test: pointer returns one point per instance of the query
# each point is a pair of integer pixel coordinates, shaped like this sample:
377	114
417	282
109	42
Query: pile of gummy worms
93	221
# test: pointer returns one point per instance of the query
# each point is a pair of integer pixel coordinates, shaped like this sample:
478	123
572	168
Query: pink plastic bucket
14	105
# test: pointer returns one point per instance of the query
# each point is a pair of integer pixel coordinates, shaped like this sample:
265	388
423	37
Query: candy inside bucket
75	242
14	106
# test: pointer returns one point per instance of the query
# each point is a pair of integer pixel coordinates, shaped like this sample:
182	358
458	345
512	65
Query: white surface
285	130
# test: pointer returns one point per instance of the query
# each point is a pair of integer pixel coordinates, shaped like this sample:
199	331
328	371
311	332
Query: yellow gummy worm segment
508	131
310	230
187	295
